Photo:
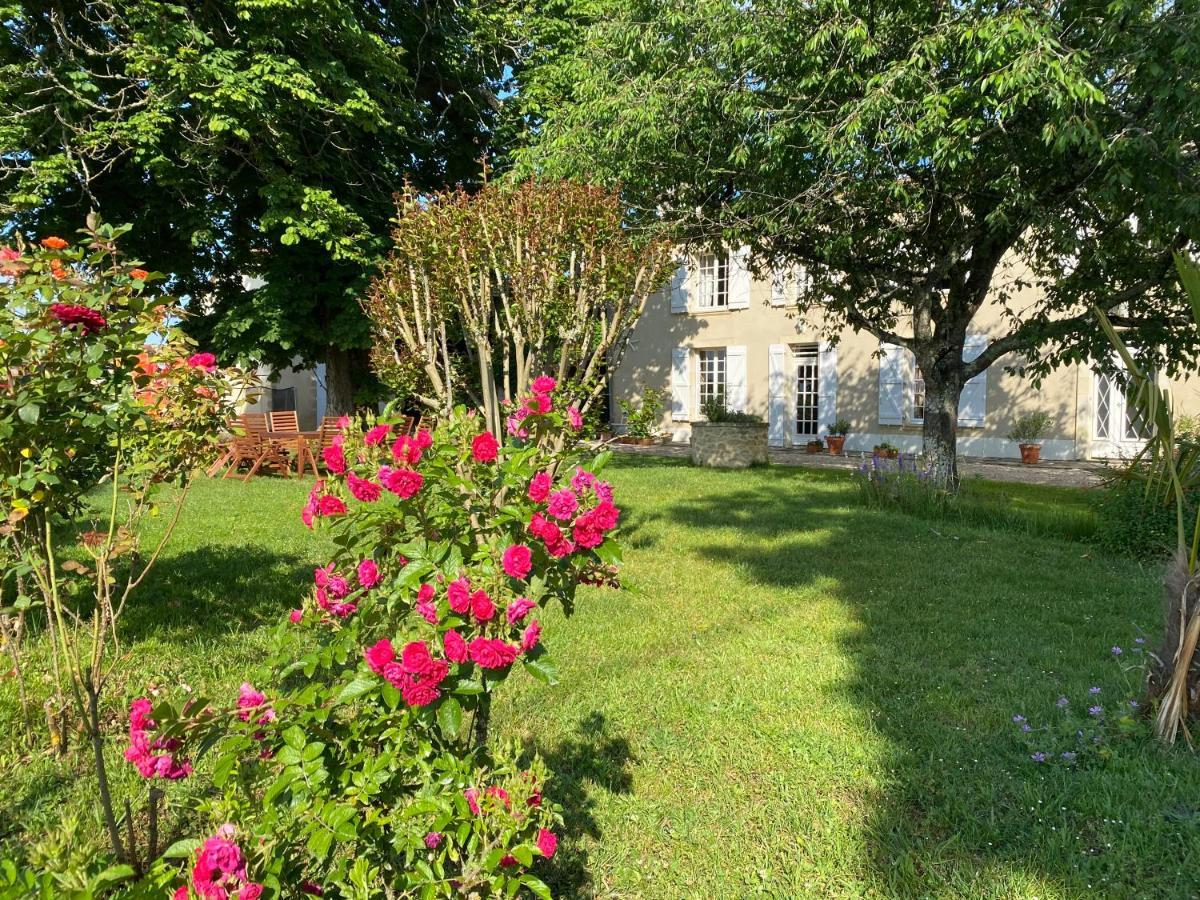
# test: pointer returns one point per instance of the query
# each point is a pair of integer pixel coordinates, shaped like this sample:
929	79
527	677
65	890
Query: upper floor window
918	398
714	281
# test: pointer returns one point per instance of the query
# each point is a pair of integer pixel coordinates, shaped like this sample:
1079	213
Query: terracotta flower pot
1031	453
814	447
835	442
885	453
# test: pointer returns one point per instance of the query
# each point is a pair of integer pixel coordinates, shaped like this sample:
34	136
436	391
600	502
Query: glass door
808	390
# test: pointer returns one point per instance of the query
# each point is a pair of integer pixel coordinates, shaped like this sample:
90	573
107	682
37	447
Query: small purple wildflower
1139	640
1093	690
1038	757
1068	756
1025	727
433	839
1133	704
1018	718
1095	710
1061	702
1117	651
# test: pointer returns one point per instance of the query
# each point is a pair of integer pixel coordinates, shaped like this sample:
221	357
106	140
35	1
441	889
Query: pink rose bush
372	754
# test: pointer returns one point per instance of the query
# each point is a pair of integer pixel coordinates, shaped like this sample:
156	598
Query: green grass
791	696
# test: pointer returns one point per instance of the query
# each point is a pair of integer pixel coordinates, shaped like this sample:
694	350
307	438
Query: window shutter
777	394
739	279
679	289
781	282
827	391
972	403
680	389
735	379
893	384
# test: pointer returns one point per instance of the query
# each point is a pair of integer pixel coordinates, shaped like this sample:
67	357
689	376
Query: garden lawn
791	696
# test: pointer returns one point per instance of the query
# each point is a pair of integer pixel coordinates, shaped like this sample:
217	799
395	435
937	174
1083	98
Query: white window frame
715	273
707	359
918	390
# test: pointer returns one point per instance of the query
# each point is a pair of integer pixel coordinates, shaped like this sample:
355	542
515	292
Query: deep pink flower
547	842
379	654
543	384
335	459
368	573
249	700
458	593
343	422
426	605
296	615
404	483
454	646
181	893
517	561
582	480
311	888
157	758
376	435
491	653
406	450
329	505
251	891
482	607
574	418
433	840
539	404
472	796
416	659
587	535
563	505
500	794
539	487
205	361
519	609
420	693
508	861
484	447
531	636
362	489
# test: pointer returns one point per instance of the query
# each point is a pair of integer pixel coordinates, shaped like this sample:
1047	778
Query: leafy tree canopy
259	138
900	152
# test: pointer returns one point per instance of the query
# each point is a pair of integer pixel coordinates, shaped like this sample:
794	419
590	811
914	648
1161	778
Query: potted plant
814	446
1028	432
836	439
886	450
641	419
727	439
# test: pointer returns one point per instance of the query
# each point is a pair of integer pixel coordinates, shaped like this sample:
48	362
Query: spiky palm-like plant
1170	468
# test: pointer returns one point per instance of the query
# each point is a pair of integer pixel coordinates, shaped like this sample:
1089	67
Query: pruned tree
903	153
484	292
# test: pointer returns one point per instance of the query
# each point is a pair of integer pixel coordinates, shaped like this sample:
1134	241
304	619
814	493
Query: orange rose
139	274
53	243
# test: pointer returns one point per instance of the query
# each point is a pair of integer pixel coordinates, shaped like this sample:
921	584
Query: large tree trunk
341	382
940	432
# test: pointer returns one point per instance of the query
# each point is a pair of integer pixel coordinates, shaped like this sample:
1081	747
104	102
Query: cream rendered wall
1067	394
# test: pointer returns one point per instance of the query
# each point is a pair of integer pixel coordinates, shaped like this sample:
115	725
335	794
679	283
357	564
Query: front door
1117	430
808	392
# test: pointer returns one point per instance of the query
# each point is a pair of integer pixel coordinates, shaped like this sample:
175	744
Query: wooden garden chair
248	425
287	420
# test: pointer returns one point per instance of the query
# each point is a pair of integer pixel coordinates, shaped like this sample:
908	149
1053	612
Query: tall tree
248	139
904	153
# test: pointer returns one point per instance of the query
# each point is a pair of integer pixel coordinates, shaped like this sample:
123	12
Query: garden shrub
362	768
1133	522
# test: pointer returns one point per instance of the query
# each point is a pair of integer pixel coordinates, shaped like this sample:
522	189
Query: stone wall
728	445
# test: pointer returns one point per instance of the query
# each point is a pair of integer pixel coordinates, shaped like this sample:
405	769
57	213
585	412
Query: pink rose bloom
249	700
433	840
251	891
416	659
517	561
582	480
562	505
205	361
500	794
454	646
343	422
472	796
379	654
338	587
484	448
531	636
368	573
420	693
406	451
543	384
539	487
539	404
604	491
574	418
426	605
519	609
376	435
330	505
458	593
296	615
363	490
547	842
482	606
404	483
491	653
181	893
335	459
423	438
587	535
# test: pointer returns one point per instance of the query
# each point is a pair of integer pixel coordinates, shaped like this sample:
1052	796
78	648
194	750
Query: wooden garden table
300	440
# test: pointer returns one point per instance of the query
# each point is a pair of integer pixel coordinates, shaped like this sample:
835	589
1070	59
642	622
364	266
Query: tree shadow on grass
215	590
592	759
958	629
